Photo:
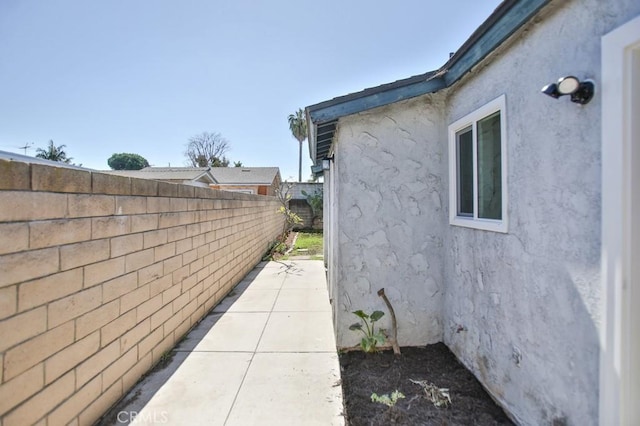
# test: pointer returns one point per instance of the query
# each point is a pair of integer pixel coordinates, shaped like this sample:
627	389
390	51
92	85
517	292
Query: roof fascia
508	17
334	110
506	20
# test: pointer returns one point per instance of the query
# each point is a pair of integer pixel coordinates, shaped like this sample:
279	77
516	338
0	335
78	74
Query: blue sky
142	76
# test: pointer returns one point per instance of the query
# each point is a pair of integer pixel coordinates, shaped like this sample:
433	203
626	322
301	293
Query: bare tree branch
207	149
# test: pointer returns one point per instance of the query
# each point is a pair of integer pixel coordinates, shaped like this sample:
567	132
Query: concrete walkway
265	356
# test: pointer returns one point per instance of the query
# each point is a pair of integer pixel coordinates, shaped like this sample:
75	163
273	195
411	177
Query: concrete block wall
299	205
100	275
304	211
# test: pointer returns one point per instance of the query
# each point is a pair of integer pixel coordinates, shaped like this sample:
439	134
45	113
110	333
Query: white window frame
471	120
620	291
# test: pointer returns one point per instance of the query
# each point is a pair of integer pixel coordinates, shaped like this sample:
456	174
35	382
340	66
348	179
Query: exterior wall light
326	164
581	91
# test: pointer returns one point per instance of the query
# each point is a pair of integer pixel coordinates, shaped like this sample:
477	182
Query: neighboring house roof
182	174
508	17
245	175
12	156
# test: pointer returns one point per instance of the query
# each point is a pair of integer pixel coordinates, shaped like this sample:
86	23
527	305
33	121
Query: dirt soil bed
382	373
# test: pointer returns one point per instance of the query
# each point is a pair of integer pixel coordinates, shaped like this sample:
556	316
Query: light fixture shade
568	85
326	164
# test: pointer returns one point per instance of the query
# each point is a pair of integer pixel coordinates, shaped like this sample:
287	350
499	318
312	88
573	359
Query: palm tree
54	153
298	127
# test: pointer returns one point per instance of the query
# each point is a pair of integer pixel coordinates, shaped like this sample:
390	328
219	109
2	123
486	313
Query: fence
101	274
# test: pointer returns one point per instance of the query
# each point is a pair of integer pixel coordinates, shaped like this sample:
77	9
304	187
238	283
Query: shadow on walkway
265	355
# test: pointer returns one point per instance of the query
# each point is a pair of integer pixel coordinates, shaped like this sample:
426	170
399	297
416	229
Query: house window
477	169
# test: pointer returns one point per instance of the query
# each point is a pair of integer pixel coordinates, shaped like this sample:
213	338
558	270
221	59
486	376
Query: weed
372	338
439	397
389	401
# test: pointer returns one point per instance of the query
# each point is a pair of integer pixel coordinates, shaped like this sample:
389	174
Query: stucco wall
529	300
100	275
388	219
520	309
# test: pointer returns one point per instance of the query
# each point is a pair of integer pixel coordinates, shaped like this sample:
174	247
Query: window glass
465	171
489	168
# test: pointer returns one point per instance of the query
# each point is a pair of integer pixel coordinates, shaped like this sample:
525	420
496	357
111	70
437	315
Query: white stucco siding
390	219
520	309
529	300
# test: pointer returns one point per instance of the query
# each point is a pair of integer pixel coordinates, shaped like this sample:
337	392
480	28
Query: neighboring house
250	180
195	176
300	205
499	220
12	156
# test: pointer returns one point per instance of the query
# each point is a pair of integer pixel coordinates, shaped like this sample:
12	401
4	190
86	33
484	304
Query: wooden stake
394	324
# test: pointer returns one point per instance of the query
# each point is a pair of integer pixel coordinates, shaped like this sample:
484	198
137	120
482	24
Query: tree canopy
126	161
207	149
298	127
54	153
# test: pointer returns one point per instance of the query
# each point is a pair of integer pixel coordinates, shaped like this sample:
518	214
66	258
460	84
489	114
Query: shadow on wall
533	344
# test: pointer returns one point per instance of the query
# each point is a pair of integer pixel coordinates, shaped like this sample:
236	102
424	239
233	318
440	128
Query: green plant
290	218
298	127
126	161
372	338
277	248
315	201
389	401
54	153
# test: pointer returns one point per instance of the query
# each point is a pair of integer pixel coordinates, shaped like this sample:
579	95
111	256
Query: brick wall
101	274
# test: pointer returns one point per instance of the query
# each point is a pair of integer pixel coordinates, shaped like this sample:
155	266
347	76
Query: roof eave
335	110
508	17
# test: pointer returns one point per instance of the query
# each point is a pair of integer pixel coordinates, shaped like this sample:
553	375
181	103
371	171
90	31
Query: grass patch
308	244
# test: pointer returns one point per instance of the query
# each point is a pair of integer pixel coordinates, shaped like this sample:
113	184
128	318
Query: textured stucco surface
389	167
529	300
520	309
